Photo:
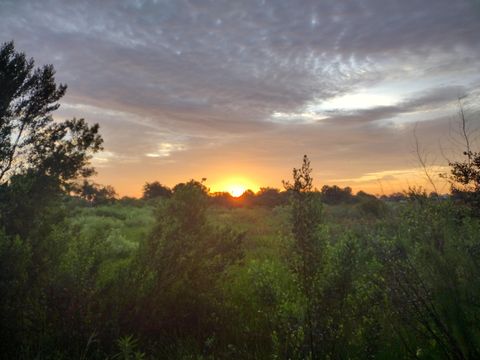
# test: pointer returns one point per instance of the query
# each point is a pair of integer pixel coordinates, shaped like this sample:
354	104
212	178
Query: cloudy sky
238	91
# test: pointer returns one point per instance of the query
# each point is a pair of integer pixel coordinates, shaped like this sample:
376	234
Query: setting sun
236	190
236	185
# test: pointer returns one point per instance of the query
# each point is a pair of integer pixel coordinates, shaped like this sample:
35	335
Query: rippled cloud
179	80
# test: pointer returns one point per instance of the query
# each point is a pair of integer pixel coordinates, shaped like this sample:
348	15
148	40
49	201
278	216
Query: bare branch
464	130
422	158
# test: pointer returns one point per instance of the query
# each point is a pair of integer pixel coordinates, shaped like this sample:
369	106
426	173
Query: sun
235	185
236	190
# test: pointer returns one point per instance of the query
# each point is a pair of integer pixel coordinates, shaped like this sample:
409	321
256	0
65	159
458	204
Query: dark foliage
155	190
29	138
335	195
180	265
95	194
465	179
40	160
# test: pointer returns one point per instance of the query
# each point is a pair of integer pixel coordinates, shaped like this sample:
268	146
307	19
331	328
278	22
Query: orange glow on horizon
377	183
236	186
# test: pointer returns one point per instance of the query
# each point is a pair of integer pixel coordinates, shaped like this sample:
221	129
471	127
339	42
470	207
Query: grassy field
184	278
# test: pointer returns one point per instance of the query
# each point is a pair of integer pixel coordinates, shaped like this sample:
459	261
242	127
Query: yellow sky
380	183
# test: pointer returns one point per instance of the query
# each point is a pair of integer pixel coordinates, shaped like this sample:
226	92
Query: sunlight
357	101
236	190
235	185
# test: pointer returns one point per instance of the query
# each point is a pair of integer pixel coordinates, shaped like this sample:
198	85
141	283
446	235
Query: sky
238	91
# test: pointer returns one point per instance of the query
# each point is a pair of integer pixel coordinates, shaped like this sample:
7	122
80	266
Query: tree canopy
154	190
30	139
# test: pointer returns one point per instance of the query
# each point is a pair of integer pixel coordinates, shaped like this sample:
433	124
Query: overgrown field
181	278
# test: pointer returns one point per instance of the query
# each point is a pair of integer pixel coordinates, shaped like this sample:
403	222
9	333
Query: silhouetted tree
396	197
465	179
269	197
29	138
154	190
96	194
39	157
223	198
363	195
336	195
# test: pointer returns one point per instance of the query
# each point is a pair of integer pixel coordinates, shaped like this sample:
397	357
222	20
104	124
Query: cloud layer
198	88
